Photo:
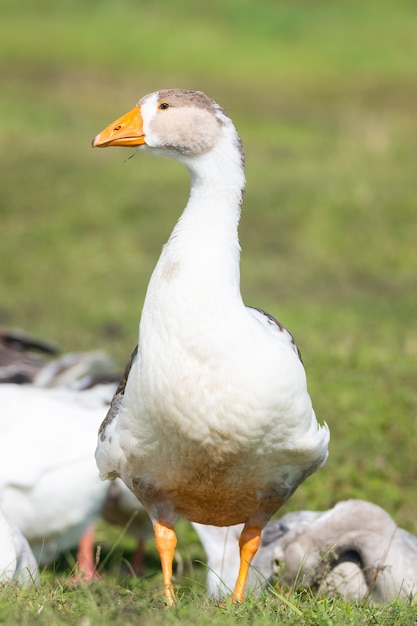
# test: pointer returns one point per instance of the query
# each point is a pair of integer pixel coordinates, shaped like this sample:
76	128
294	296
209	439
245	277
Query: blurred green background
323	93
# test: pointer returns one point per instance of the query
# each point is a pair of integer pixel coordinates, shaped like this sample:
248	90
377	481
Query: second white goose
212	420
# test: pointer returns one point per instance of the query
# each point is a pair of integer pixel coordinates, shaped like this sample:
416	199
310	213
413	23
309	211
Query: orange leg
85	556
166	542
249	541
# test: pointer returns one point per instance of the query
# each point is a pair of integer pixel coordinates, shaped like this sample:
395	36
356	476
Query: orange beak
125	131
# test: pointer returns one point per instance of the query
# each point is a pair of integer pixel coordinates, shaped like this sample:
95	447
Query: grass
137	603
323	94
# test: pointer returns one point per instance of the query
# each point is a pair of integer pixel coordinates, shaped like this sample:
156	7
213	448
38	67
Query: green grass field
324	96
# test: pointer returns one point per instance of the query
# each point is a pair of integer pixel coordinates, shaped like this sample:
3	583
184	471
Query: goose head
169	122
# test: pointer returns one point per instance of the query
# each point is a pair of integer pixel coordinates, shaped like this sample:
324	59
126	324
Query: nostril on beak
118	127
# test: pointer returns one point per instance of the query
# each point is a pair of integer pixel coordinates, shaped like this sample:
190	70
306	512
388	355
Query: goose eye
163	105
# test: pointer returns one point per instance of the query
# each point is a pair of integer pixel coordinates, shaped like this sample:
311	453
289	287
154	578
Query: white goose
212	421
49	484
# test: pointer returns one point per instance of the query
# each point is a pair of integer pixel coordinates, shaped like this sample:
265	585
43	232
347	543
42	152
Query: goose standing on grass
212	420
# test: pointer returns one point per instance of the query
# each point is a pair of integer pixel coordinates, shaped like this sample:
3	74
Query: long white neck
200	262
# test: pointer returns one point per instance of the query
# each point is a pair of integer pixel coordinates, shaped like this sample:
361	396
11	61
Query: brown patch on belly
222	505
220	508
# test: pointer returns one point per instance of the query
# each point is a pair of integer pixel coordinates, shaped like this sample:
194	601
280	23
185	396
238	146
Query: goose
212	420
38	417
354	550
54	430
49	483
17	561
